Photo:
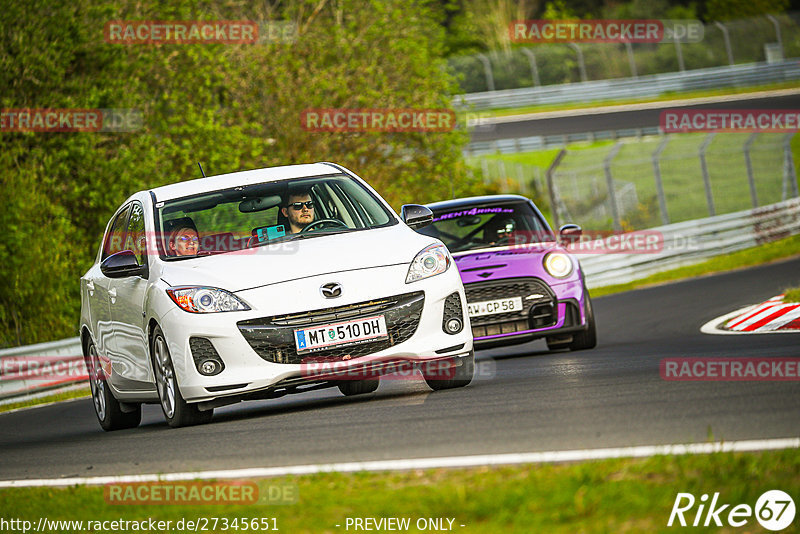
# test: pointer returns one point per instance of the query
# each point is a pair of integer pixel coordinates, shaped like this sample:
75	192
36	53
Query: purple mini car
520	283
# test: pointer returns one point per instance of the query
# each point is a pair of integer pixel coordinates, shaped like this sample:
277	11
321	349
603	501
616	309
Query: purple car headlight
557	264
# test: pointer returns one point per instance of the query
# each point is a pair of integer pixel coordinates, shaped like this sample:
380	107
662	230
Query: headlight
558	264
206	300
431	261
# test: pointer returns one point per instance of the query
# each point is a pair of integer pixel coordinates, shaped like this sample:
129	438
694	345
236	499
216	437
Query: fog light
454	325
209	367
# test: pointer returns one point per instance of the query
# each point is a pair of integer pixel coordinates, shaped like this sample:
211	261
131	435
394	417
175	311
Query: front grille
507	288
508	327
273	337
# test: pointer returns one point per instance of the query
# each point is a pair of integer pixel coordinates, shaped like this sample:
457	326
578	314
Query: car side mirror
416	216
570	233
122	265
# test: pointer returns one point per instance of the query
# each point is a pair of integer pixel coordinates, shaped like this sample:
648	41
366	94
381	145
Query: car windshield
255	215
487	225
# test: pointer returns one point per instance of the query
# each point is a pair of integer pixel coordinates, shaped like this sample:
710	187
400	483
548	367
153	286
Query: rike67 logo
774	510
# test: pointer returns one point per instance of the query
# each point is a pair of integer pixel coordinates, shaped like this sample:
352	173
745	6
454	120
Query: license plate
345	333
491	307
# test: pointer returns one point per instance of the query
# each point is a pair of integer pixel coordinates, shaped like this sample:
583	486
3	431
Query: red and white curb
770	317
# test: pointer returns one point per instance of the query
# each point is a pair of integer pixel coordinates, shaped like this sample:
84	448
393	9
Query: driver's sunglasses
186	239
297	206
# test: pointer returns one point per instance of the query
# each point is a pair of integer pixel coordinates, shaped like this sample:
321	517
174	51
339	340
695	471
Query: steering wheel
313	226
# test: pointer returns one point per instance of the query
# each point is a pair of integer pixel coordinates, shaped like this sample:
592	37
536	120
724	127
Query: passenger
184	241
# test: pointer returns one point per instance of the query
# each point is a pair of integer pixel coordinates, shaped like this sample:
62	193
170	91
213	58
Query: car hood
260	266
506	262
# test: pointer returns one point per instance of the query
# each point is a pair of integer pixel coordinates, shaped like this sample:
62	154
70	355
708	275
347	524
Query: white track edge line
642	451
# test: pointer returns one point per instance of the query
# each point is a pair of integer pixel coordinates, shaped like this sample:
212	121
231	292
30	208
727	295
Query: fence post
521	179
485	170
581	63
777	33
487	70
631	60
750	178
538	179
789	174
501	172
662	201
534	67
704	168
552	190
612	195
727	39
679	53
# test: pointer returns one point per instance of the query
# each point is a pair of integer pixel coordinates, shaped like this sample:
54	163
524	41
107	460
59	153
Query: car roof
466	202
255	176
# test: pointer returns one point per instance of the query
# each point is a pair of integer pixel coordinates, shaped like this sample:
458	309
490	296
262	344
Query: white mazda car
256	284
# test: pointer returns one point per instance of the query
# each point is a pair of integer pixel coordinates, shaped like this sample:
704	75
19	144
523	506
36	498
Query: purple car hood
506	262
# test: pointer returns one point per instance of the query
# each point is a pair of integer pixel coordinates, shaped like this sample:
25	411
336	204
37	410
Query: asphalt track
534	400
588	121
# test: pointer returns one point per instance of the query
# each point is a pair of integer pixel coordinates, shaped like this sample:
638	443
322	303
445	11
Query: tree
233	107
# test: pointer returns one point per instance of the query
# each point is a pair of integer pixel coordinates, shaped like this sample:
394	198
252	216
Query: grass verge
783	248
791	295
621	495
66	395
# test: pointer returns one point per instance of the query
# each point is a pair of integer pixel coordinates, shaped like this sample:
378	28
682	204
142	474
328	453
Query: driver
298	210
500	231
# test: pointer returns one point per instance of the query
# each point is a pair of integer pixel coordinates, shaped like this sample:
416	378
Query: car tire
107	408
176	410
359	387
586	339
462	375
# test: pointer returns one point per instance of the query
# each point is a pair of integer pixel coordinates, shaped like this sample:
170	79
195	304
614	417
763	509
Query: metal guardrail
60	363
41	367
694	241
542	142
643	86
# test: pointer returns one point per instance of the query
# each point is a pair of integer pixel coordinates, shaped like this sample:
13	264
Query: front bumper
547	310
257	346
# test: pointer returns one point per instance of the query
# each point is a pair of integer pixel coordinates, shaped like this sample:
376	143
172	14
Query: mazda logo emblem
331	290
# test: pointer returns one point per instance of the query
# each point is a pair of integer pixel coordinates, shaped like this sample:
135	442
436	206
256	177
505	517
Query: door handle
90	287
113	294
